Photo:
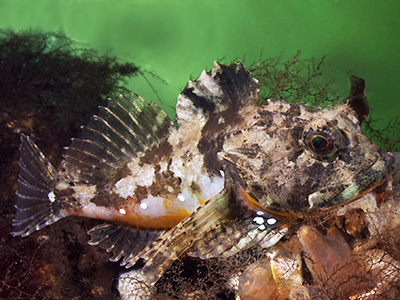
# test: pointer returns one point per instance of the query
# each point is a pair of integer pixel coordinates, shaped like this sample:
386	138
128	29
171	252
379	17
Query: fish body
231	174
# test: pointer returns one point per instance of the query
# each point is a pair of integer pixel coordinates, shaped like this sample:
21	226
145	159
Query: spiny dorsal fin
224	87
121	131
209	107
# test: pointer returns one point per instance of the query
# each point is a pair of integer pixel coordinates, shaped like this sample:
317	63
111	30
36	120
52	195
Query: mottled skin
283	172
232	173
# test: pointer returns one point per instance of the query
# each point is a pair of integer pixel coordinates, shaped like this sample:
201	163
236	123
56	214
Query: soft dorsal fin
223	87
121	131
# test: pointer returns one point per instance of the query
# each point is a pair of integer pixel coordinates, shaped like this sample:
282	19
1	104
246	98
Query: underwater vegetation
303	81
50	86
52	71
296	80
80	272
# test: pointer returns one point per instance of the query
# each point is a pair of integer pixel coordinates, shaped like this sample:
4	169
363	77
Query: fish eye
320	143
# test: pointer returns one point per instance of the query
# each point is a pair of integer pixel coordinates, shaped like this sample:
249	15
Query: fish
228	174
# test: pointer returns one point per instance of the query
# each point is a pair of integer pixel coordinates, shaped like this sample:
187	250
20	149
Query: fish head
300	160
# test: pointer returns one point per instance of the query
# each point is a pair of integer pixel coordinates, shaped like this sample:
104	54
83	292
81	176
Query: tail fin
36	200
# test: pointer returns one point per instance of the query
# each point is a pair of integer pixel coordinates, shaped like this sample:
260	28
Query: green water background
177	39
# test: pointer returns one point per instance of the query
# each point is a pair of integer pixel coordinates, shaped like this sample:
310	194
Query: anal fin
123	242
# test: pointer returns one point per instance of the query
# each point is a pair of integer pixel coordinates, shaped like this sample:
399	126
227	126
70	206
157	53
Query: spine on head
36	198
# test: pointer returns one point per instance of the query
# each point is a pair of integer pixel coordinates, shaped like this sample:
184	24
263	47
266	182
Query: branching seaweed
196	279
388	137
295	80
301	81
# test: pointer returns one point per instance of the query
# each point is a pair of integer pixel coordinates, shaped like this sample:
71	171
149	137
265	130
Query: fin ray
98	137
89	158
27	173
26	187
128	118
39	167
224	225
123	130
37	181
122	241
104	126
96	150
31	198
129	136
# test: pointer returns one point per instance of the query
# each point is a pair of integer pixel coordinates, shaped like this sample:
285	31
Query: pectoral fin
253	225
230	222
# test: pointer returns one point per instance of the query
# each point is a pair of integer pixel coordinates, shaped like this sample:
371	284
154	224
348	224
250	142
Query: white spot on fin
122	211
143	205
262	227
52	197
259	220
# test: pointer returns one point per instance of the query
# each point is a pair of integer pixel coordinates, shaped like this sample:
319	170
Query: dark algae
49	86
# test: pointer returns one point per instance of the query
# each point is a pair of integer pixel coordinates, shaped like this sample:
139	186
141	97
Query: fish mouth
363	183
